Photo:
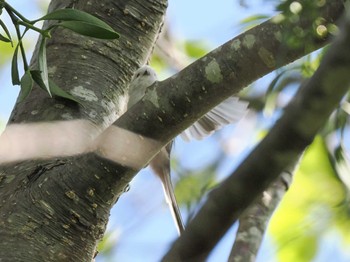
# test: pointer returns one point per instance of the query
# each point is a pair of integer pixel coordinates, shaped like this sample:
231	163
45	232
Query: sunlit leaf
89	29
309	67
192	186
6	53
109	241
310	207
26	85
14	67
157	62
254	18
83	18
43	65
195	49
270	104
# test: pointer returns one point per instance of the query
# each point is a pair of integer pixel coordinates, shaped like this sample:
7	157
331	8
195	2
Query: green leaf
254	18
2	24
273	83
191	187
6	53
36	75
4	39
43	65
26	85
70	15
272	94
310	208
57	91
108	242
195	49
89	29
14	67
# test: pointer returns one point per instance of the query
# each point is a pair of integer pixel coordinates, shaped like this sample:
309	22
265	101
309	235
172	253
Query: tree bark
309	111
57	209
254	221
221	73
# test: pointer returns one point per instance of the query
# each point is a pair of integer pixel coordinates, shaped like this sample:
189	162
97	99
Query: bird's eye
137	75
146	73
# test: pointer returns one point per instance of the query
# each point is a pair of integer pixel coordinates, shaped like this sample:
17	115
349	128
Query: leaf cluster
78	21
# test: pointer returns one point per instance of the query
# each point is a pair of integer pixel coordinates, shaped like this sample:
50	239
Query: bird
229	111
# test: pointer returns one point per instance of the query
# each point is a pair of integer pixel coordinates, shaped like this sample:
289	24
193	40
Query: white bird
229	111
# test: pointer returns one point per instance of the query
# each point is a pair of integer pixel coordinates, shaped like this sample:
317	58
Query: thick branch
303	117
174	104
101	87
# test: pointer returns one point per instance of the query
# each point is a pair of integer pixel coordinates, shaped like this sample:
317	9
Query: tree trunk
57	209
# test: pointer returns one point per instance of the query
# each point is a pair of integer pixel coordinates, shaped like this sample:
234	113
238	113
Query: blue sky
212	21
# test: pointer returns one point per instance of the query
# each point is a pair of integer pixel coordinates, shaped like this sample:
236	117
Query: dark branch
253	222
303	117
177	102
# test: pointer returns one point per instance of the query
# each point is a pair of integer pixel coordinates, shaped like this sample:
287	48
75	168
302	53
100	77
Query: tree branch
180	100
253	222
59	212
295	130
170	106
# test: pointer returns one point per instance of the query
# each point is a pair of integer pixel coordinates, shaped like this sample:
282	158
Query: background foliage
312	221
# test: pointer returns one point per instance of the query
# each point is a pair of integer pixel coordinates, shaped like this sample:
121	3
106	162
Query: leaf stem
15	21
30	26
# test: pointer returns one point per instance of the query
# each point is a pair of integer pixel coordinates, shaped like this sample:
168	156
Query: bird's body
229	111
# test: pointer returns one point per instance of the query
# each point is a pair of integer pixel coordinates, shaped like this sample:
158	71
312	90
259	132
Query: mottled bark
57	209
221	73
254	221
309	110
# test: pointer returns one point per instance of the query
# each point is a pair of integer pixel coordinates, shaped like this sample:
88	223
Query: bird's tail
171	201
